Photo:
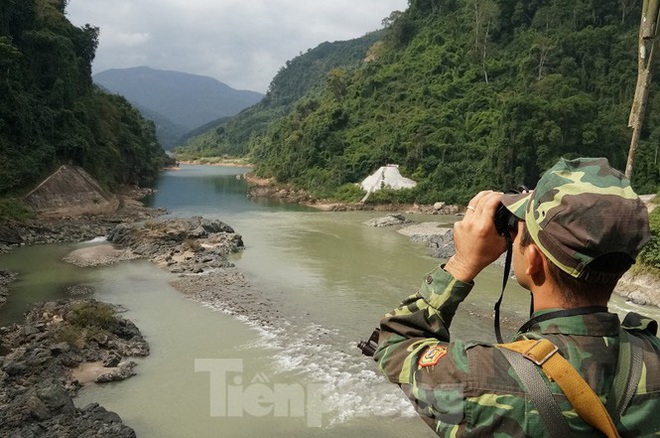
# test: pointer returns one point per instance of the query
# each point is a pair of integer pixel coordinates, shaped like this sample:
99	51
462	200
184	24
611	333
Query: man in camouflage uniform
578	232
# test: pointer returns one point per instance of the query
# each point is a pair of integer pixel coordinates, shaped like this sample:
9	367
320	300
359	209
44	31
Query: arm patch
432	356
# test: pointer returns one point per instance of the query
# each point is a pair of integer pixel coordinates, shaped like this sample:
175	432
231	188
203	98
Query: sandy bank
99	255
212	162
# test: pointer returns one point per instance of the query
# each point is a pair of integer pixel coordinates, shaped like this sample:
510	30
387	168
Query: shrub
69	334
348	193
650	255
13	209
391	196
92	314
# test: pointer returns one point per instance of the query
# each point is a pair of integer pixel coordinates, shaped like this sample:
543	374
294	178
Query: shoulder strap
536	387
628	373
586	403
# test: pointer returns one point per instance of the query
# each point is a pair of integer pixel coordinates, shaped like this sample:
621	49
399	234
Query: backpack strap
537	389
628	374
586	403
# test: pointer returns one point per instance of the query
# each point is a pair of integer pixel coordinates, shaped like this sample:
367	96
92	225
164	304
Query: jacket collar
582	321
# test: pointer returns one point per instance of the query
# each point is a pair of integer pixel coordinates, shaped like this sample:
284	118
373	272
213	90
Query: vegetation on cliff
650	255
50	111
467	95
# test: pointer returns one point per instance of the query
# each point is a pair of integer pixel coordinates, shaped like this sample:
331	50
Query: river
326	275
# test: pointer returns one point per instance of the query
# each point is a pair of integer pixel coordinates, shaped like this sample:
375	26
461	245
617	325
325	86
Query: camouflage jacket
468	388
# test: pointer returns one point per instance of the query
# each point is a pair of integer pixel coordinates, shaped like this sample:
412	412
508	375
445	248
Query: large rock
433	234
193	245
391	220
47	410
122	372
9	235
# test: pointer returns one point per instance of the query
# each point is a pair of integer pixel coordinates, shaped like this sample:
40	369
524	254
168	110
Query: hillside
185	99
466	95
50	111
230	136
168	132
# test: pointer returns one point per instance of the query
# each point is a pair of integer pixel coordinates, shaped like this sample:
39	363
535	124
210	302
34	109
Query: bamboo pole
647	36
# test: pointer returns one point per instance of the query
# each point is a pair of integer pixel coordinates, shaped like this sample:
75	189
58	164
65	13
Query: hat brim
517	203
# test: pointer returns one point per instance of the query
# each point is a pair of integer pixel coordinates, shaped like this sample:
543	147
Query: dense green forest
304	74
466	95
50	111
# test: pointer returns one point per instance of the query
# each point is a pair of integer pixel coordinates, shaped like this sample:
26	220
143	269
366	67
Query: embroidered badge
432	356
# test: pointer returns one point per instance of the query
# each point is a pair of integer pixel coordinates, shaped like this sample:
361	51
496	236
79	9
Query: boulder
55	399
122	372
436	235
9	235
112	359
390	220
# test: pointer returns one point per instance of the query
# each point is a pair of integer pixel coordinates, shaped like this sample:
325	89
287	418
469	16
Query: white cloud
114	38
241	43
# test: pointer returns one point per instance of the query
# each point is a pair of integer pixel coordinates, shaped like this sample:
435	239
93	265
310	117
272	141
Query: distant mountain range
177	102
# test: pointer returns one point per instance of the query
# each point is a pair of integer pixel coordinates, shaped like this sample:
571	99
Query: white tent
386	176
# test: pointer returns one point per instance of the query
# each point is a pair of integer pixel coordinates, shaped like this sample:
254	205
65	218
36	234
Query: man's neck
546	298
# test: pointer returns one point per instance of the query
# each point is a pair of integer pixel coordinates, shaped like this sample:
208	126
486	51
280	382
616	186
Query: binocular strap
505	278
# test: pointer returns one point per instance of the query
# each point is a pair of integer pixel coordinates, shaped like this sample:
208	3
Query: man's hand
476	241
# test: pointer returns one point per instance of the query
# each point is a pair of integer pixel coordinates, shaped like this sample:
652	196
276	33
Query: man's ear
534	260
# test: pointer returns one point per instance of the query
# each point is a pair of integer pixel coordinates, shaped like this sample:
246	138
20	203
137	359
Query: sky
242	43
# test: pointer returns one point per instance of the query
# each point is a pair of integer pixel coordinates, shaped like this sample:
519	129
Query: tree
475	97
50	111
647	37
485	14
336	82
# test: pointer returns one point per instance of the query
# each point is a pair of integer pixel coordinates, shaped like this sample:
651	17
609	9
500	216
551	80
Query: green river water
211	373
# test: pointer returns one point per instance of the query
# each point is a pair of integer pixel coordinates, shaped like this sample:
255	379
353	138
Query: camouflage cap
580	210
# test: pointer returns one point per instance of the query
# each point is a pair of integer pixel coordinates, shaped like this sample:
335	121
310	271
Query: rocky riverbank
183	246
6	277
42	365
194	248
267	188
75	229
63	345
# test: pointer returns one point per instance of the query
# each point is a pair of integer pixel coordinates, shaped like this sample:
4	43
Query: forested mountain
169	133
185	99
473	94
51	112
303	74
